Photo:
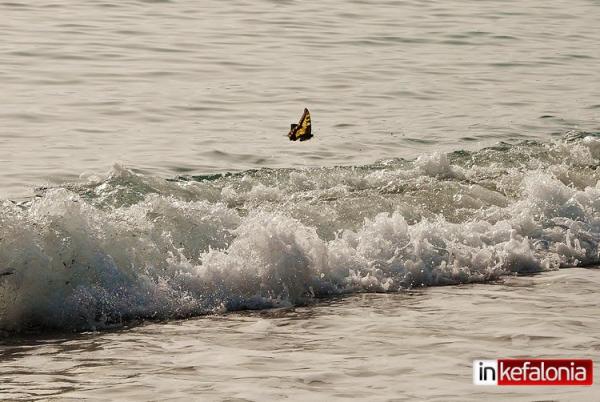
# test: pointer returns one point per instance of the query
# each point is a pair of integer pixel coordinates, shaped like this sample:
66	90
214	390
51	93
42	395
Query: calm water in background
177	86
183	87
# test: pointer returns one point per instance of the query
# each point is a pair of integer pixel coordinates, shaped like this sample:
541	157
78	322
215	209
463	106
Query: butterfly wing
302	131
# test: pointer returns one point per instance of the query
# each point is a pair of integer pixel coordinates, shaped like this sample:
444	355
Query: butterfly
302	130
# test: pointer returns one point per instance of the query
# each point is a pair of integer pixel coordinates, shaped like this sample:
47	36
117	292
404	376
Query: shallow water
143	146
378	347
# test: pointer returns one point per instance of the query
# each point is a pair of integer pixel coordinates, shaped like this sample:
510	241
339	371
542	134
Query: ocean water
416	345
160	238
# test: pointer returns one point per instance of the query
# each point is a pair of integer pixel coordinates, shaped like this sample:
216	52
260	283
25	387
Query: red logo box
548	372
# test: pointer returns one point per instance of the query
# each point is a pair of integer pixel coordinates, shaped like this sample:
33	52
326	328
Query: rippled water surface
181	86
149	197
401	347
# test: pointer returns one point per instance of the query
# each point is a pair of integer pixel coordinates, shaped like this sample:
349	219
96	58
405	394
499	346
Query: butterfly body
302	130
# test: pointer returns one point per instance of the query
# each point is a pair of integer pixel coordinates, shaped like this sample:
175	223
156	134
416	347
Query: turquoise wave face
110	250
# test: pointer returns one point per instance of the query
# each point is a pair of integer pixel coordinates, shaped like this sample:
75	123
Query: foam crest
104	252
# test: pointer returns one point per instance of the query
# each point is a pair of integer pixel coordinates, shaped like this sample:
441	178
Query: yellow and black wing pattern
302	130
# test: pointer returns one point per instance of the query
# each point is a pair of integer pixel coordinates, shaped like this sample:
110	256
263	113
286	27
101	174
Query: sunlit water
143	146
177	86
401	347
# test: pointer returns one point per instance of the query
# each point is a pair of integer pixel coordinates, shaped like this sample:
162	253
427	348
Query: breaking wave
127	246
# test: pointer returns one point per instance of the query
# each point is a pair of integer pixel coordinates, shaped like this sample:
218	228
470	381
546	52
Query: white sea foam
91	255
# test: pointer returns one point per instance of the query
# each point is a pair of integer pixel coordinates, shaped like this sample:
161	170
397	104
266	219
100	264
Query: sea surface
161	239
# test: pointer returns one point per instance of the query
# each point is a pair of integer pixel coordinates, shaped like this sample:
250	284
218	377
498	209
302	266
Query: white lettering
580	374
551	374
